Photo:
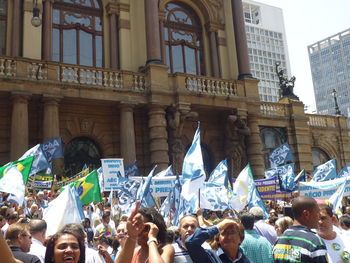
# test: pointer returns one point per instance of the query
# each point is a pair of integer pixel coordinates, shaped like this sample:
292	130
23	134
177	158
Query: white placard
111	169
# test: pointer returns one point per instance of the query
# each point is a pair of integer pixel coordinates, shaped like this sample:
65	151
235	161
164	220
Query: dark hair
37	226
50	247
327	208
247	220
345	220
153	216
302	203
76	229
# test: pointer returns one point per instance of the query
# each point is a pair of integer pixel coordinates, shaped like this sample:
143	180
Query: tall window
79	152
3	18
183	40
77	32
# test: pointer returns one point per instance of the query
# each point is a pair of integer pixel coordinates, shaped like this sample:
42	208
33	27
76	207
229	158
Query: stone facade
133	108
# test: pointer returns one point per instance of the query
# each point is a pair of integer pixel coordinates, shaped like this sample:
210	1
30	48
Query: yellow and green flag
88	188
24	166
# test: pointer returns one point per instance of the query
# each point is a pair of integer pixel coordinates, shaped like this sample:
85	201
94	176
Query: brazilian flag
24	166
88	188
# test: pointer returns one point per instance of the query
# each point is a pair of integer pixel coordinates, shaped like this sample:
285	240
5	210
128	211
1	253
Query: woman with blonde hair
282	224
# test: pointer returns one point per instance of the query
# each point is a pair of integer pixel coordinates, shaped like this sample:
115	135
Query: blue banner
131	170
285	174
324	172
345	171
281	155
53	148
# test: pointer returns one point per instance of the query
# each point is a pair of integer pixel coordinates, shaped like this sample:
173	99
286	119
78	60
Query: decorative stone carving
176	119
236	130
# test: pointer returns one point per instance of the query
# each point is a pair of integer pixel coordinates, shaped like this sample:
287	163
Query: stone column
47	30
16	29
254	149
158	137
113	10
215	69
240	39
51	121
19	125
161	36
127	134
152	32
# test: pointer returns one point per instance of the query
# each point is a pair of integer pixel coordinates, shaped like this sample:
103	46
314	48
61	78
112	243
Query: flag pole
199	197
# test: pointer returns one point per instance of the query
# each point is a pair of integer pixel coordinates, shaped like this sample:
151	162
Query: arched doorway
79	152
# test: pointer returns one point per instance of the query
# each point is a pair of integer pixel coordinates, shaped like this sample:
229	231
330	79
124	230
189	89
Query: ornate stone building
131	78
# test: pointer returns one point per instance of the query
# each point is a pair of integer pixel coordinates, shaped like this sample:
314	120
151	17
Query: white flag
12	183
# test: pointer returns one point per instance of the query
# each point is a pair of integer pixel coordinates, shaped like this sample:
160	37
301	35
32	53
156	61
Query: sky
307	22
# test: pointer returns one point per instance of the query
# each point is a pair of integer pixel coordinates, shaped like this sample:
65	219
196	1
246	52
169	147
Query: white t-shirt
338	249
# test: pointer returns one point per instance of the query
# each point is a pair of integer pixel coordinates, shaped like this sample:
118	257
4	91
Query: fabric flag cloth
256	201
325	171
24	166
219	174
40	162
280	155
337	197
242	189
286	177
126	191
167	172
63	210
193	172
144	193
88	188
345	171
175	200
131	170
53	148
215	198
12	183
100	177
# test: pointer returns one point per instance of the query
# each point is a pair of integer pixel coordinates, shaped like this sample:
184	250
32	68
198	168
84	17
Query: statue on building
286	85
236	131
176	119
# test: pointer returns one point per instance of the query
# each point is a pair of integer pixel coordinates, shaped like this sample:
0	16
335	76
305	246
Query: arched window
318	157
271	138
79	152
77	32
3	25
183	40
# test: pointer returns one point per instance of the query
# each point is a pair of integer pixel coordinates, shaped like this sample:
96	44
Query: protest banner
112	169
266	188
323	190
58	185
160	186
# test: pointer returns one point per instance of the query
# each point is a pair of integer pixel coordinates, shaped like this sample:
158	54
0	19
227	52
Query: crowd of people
309	232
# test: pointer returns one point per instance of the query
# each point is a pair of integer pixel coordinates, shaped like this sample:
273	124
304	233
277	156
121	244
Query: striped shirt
299	244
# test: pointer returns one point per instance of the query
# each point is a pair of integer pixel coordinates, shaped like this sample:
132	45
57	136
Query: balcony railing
271	109
322	121
211	86
72	74
107	79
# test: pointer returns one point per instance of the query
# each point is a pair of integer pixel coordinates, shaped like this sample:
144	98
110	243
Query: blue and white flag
67	203
40	162
144	193
215	198
175	200
286	177
219	174
131	170
242	189
345	171
337	197
324	172
167	172
100	177
256	201
53	148
193	172
280	155
12	183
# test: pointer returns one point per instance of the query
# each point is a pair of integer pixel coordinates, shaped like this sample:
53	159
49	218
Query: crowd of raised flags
189	192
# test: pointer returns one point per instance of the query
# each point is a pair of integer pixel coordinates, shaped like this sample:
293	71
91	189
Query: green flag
24	166
88	188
